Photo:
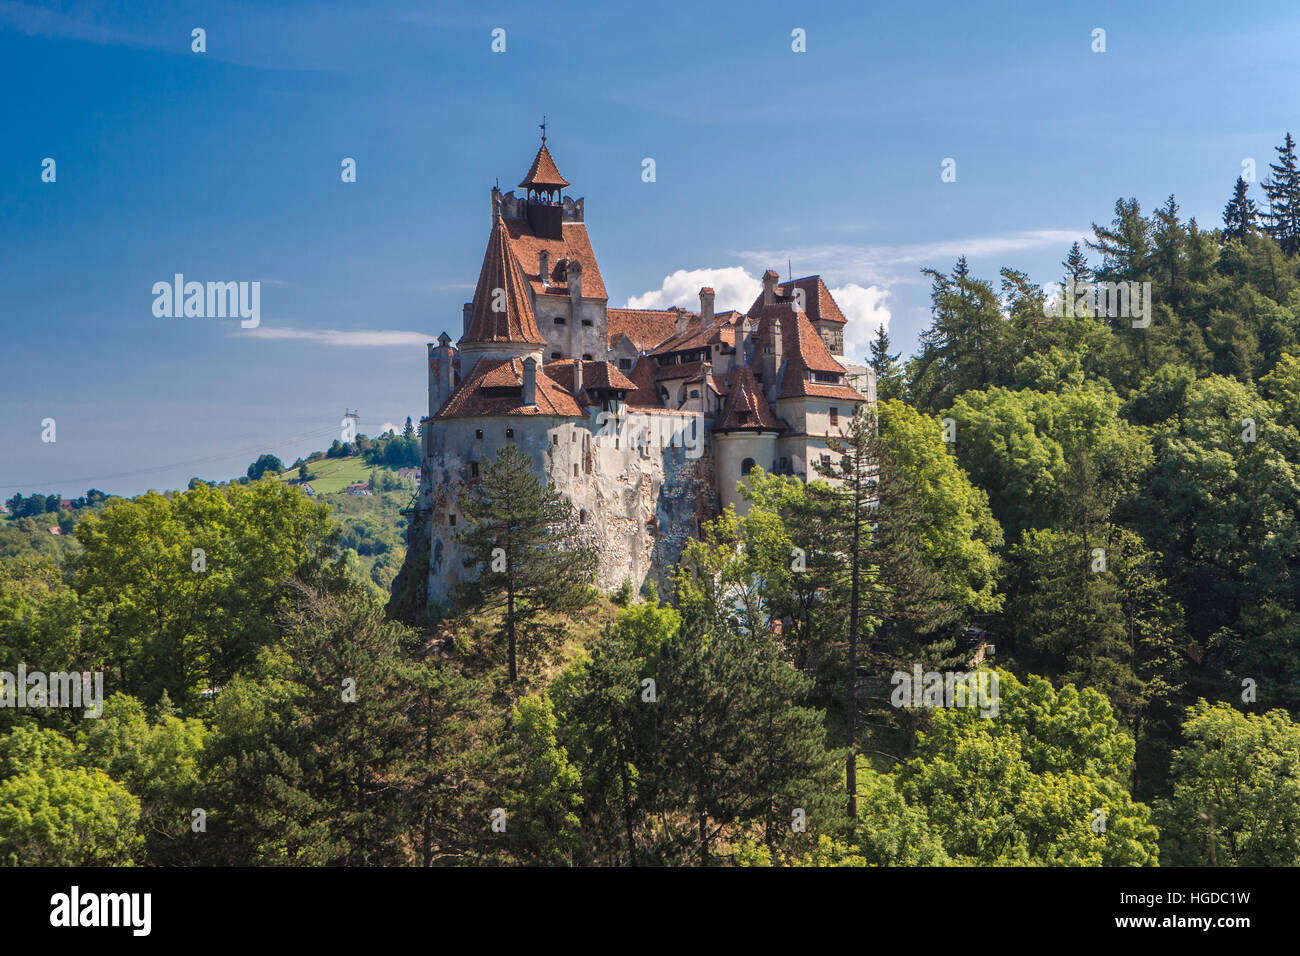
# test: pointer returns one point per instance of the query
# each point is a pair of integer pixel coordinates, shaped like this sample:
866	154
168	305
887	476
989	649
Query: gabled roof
819	304
575	244
745	396
646	329
798	337
647	392
543	174
501	284
469	399
595	374
795	384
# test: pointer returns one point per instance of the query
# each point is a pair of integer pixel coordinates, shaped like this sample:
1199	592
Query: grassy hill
331	475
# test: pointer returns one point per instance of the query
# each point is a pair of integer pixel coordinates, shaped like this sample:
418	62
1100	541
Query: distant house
65	504
412	473
360	488
56	530
306	487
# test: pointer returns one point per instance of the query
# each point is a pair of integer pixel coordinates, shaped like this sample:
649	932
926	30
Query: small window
695	393
586	357
575	471
473	469
747	466
742	418
573	435
555	356
587	322
452	519
510	434
835	416
582	516
478	433
559	320
625	364
826	461
555	439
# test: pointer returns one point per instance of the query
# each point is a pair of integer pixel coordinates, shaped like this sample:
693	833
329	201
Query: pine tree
1240	217
889	377
1125	245
1284	198
1076	266
524	539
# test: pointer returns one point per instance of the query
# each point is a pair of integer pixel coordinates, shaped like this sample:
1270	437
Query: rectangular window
555	439
478	433
452	519
575	471
826	461
510	434
835	416
625	364
473	469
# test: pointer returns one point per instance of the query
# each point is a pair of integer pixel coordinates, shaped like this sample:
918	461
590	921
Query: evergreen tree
1240	217
1283	191
889	376
1076	266
523	537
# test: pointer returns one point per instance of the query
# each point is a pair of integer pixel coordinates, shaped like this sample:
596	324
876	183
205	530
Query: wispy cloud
893	263
364	338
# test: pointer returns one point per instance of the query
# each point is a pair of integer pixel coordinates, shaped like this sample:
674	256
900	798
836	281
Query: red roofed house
647	419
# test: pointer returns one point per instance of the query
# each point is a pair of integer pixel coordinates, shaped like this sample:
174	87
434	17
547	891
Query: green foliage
523	539
1022	788
1235	795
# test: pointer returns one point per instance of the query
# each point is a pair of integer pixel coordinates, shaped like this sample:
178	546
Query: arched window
747	466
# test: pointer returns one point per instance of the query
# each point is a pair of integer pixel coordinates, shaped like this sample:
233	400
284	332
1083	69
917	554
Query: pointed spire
502	311
543	175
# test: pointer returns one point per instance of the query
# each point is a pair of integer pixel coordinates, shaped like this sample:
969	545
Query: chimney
770	279
496	202
706	307
574	275
465	313
444	368
577	376
530	381
681	320
544	266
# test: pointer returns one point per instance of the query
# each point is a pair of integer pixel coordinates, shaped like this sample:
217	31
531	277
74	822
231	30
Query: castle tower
500	322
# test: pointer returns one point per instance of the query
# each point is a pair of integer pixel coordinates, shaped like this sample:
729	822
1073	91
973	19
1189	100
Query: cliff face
637	501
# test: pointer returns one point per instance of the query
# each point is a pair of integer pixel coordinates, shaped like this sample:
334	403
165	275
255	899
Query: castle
647	420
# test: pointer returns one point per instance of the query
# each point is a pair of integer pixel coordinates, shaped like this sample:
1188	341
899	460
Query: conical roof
502	311
543	174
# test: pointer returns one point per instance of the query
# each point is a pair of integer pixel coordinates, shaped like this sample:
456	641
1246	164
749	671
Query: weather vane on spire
542	127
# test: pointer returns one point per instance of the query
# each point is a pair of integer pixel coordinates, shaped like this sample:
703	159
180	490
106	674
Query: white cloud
734	287
359	338
888	264
864	307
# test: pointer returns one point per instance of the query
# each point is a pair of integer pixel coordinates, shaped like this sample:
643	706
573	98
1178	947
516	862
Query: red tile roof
647	392
543	174
818	301
469	400
798	337
501	272
745	396
595	374
575	244
646	328
795	384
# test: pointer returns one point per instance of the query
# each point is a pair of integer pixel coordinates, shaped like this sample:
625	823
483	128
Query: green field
331	475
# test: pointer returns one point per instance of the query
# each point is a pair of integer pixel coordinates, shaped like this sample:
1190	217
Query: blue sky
225	166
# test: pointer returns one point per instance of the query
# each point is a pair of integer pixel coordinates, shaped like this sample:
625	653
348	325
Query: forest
1102	514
